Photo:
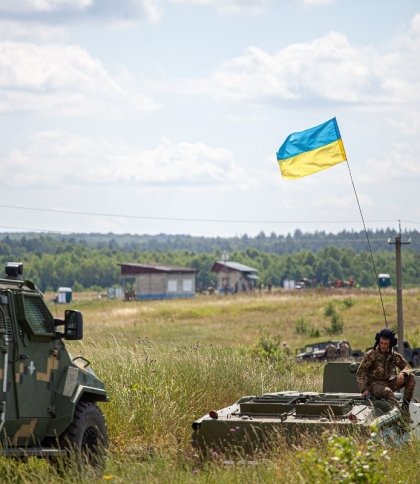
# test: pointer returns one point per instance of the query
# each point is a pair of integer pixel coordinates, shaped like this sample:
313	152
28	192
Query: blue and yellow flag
313	150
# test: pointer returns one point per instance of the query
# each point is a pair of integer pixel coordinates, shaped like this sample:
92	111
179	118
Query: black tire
87	438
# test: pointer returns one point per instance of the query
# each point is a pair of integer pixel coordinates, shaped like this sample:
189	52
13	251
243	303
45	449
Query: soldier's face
384	344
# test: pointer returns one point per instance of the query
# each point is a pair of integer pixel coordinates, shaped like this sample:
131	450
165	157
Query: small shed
64	295
157	281
234	277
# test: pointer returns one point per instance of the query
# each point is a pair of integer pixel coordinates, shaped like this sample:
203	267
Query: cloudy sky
164	116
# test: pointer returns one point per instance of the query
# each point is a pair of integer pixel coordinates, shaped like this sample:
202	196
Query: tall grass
157	391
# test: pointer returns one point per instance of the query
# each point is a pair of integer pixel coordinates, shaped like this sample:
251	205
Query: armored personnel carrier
47	398
255	422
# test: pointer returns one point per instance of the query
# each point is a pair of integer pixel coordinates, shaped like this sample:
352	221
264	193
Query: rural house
157	281
234	277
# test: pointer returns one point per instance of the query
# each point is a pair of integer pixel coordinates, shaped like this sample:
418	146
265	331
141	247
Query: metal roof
234	266
132	268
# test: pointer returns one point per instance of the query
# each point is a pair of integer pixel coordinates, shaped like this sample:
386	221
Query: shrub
348	302
329	310
337	323
346	462
314	333
268	346
302	327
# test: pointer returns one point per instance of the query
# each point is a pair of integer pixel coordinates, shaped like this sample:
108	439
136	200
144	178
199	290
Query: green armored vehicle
47	398
256	422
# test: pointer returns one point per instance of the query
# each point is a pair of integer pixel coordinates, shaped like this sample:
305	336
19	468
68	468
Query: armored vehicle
257	422
47	398
317	352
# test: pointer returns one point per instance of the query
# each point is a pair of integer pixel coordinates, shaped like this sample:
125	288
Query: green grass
166	363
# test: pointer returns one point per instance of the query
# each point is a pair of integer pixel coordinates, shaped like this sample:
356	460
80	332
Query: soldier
286	348
344	349
376	373
330	351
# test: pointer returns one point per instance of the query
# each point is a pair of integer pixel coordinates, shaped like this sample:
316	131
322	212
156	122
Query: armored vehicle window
37	315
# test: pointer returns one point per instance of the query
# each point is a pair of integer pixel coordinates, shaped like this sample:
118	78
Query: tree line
91	261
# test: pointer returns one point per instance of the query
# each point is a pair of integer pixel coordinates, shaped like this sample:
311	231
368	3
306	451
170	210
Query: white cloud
230	6
400	164
316	3
12	30
62	79
329	68
63	10
32	6
55	158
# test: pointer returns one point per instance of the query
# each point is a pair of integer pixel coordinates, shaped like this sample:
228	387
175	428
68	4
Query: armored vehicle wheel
86	438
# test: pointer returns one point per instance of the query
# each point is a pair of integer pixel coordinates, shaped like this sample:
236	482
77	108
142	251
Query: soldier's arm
402	365
362	372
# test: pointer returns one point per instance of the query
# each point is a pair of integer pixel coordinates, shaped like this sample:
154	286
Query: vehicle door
37	357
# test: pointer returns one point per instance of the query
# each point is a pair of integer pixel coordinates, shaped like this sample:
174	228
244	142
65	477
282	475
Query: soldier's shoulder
367	359
397	355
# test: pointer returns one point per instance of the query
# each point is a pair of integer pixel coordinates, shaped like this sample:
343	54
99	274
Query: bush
268	347
348	302
345	462
314	333
302	327
337	323
329	310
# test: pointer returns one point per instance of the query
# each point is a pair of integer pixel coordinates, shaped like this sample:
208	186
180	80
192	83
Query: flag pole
368	241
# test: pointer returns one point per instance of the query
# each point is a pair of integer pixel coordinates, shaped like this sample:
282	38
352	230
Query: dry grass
240	320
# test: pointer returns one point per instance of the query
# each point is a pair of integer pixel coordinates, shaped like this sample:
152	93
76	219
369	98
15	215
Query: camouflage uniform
330	351
344	350
376	374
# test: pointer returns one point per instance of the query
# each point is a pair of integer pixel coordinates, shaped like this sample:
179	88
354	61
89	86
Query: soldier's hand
400	379
366	394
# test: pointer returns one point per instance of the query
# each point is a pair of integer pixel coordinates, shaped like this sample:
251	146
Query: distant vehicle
317	351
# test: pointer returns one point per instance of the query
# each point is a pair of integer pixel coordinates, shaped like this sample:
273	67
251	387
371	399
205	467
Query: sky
165	116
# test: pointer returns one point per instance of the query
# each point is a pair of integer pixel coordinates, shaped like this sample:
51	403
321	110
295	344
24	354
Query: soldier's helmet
386	333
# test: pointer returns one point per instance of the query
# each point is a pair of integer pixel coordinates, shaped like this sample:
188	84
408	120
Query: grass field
166	363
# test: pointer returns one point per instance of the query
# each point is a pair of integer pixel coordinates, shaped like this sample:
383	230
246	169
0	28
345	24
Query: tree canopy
85	261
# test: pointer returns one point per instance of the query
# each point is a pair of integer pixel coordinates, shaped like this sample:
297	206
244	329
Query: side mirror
73	324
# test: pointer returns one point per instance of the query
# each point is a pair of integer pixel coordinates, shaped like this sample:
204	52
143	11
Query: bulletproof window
37	315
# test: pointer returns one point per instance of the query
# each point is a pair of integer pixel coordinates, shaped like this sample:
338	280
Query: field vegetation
166	363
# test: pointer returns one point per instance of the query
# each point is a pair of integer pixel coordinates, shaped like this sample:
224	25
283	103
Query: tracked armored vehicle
47	398
256	422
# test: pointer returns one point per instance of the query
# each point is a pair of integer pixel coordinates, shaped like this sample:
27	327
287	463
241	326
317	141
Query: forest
91	261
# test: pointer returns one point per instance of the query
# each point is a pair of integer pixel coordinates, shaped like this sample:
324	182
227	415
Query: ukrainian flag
313	150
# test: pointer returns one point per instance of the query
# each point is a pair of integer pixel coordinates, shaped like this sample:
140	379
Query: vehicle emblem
31	368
